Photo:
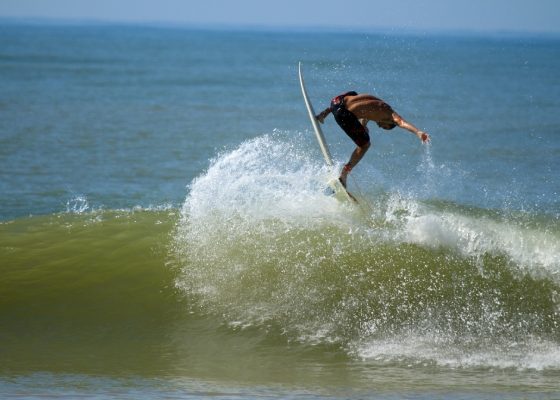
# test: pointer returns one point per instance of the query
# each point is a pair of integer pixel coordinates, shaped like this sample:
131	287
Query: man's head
386	125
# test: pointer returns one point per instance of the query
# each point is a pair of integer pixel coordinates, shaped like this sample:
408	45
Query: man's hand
423	136
321	117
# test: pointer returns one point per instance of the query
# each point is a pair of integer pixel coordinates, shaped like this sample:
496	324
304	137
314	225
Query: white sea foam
532	250
270	179
77	205
263	179
453	352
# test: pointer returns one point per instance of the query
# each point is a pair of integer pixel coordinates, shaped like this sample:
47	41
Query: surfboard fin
329	191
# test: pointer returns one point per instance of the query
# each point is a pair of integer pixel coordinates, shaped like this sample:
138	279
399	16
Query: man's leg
355	158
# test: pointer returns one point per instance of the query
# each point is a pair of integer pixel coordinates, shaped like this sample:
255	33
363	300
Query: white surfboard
339	190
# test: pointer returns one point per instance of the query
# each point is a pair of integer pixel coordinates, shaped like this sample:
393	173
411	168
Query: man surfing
352	112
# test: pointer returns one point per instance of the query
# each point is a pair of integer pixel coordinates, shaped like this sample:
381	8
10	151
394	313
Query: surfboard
339	190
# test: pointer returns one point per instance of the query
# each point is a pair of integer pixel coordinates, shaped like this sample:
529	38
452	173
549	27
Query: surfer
352	112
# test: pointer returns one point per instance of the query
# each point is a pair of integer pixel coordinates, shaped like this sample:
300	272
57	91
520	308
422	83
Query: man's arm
364	122
323	114
400	121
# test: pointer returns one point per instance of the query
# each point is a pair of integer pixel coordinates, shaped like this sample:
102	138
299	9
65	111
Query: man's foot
342	180
344	174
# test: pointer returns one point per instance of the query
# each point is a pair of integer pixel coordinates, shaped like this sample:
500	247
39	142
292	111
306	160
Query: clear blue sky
424	15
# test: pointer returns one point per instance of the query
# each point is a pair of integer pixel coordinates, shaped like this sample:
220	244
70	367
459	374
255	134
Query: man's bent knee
365	146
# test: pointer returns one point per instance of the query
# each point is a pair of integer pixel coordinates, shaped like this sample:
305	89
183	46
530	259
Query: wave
263	245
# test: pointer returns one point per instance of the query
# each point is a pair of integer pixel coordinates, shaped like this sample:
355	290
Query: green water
85	293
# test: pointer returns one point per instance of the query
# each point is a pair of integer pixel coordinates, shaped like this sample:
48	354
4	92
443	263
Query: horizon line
285	28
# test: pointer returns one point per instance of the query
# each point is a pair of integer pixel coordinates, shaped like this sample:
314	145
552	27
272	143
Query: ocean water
164	230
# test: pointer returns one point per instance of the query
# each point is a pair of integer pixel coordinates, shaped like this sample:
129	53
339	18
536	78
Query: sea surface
165	232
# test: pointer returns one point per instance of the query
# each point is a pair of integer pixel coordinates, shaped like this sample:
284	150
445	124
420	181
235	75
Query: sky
536	16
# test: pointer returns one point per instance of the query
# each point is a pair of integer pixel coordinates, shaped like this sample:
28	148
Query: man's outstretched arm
402	123
323	114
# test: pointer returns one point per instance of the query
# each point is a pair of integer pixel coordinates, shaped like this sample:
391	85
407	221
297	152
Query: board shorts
348	122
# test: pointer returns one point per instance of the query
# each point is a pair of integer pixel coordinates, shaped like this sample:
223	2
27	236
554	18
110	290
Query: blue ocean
165	230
